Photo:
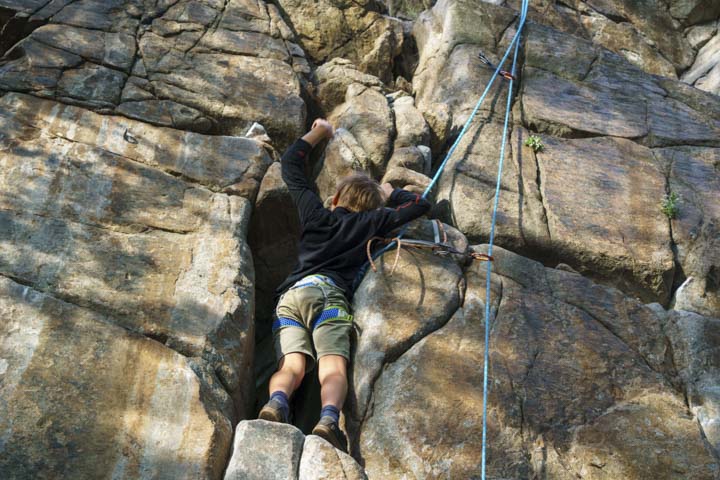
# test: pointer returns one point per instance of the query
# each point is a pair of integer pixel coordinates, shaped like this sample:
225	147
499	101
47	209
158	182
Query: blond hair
358	193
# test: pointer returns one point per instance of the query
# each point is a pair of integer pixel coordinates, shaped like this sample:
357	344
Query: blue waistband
314	280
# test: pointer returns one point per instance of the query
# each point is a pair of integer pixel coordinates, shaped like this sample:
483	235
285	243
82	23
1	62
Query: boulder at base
266	450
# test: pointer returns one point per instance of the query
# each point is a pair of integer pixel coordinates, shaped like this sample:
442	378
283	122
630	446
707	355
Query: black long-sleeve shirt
333	243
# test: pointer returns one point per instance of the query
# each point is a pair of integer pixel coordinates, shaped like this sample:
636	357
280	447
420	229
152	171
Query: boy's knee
294	363
332	365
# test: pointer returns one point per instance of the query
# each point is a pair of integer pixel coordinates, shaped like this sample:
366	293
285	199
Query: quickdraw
503	73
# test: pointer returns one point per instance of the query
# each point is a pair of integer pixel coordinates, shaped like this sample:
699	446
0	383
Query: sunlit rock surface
135	317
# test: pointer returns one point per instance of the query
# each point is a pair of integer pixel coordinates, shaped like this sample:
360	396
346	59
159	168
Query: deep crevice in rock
706	441
405	64
14	27
543	201
678	274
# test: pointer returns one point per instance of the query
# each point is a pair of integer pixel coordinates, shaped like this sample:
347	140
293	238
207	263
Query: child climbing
313	318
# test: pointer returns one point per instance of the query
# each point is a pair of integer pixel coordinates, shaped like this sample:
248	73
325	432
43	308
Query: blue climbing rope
465	128
498	70
486	359
515	43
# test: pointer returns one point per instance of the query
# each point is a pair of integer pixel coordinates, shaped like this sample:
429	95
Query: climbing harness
398	241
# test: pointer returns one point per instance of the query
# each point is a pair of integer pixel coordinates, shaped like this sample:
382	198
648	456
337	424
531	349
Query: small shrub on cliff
534	142
669	205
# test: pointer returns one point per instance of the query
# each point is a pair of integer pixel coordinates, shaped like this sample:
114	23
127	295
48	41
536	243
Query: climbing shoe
274	411
328	429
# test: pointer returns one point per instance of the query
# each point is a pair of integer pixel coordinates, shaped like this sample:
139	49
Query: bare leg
290	374
332	371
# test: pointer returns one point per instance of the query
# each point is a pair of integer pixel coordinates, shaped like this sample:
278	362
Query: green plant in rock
669	205
534	142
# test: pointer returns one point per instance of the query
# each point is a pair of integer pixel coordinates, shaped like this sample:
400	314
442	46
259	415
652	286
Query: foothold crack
354	36
501	35
210	28
543	201
107	315
610	16
86	59
37	10
677	276
609	328
99	226
677	381
153	15
709	446
25	283
590	67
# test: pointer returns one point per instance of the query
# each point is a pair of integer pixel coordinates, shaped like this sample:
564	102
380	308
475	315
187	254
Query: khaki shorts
313	312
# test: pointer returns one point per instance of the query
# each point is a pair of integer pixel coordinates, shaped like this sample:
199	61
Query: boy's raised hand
322	123
321	129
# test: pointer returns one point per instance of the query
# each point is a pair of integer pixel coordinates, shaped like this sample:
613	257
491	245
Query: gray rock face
568	93
265	450
370	128
660	38
321	461
367	115
90	215
342	156
207	67
83	398
395	310
334	78
448	37
695	348
651	35
615	98
352	30
572	366
411	127
106	223
705	71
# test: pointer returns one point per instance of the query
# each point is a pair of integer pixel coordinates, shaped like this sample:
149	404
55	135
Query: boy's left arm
407	206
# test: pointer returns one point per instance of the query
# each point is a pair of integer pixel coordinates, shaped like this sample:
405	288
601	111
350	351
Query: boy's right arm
293	174
403	206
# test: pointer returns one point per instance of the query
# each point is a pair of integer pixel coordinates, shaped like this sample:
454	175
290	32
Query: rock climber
312	318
